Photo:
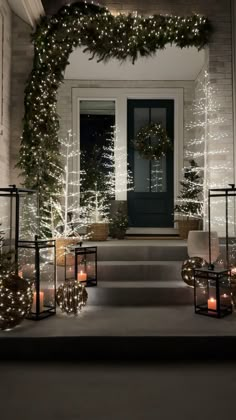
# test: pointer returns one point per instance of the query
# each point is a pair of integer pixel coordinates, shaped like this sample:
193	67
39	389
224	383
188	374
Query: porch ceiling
169	64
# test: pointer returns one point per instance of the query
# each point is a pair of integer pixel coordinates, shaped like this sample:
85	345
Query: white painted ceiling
169	64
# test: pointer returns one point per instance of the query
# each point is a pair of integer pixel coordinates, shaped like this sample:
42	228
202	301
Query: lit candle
212	304
81	276
41	302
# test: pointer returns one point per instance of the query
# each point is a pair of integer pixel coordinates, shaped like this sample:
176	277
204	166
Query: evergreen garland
103	35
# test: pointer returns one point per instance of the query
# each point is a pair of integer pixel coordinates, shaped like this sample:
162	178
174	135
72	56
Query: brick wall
22	59
5	74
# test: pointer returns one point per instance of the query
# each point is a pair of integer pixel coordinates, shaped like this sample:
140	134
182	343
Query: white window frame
120	96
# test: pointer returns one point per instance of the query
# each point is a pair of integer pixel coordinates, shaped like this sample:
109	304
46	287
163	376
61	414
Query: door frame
121	95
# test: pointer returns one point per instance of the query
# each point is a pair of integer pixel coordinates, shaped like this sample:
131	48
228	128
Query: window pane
141	166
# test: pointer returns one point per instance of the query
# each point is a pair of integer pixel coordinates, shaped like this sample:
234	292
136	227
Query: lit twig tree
207	136
64	217
114	157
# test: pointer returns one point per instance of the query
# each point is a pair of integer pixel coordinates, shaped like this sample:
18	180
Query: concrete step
124	271
152	231
141	252
170	293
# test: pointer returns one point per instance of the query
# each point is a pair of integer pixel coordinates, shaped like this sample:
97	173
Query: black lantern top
225	193
15	208
12	189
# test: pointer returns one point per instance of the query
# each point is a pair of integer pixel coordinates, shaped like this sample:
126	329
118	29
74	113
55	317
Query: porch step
152	231
123	271
140	294
126	251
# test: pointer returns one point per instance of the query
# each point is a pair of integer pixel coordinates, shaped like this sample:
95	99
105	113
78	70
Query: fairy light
205	145
71	297
116	166
65	216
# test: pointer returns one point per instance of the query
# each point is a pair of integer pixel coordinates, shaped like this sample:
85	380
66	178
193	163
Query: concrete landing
108	333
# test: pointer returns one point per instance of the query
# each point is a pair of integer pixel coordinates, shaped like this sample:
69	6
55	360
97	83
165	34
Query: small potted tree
97	217
189	204
119	223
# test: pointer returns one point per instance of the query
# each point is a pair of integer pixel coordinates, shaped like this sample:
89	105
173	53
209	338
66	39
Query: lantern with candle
37	262
212	292
86	265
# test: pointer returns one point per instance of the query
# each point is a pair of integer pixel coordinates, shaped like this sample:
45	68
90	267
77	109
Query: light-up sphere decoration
188	267
71	297
16	297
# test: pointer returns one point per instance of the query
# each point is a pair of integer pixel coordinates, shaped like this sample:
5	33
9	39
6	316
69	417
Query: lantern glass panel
69	263
37	265
18	213
201	291
28	217
86	265
212	291
47	280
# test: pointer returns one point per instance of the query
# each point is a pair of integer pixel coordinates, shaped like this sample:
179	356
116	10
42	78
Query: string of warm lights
104	36
206	145
118	176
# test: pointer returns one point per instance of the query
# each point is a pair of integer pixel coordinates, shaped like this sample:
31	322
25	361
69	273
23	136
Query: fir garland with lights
157	149
103	35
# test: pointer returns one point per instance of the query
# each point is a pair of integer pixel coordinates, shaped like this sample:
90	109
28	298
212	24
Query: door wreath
159	148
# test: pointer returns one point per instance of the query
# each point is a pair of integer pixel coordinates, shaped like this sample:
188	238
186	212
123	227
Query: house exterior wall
219	68
22	61
5	77
219	55
65	93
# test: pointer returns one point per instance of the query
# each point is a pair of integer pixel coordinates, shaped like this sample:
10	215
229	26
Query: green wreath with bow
154	151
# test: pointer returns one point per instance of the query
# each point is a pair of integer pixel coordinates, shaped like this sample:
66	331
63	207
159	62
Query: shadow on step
130	296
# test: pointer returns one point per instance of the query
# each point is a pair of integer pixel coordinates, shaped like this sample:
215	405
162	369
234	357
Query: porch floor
128	317
95	321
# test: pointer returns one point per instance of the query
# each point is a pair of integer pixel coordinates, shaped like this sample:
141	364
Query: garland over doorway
104	36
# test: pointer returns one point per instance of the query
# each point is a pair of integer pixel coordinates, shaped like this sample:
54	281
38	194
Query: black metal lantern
228	195
212	292
86	265
37	264
18	216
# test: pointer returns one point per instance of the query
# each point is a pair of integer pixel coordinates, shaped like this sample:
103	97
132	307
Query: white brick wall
22	59
5	75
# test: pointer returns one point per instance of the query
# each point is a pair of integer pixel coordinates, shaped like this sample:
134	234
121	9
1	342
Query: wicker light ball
233	287
71	297
188	267
16	297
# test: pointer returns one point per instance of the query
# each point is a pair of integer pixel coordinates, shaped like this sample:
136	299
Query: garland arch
105	36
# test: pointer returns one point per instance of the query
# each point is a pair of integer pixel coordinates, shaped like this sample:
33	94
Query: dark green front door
151	202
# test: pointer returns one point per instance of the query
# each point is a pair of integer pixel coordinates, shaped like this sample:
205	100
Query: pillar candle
212	304
41	302
81	276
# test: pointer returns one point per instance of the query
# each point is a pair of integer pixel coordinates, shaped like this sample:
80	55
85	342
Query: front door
150	204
